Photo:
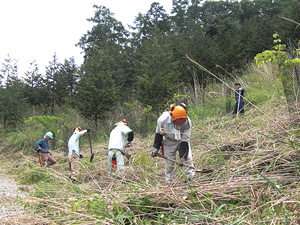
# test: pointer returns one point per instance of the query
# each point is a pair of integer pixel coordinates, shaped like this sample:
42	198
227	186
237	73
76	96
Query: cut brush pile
255	178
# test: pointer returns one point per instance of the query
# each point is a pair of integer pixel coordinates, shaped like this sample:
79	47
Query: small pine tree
12	101
97	92
158	80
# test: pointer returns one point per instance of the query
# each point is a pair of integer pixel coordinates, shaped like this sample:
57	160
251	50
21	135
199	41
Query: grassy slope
255	178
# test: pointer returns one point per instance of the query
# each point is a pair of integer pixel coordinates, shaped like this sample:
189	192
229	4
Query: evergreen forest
145	67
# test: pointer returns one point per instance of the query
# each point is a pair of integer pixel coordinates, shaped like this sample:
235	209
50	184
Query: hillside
255	177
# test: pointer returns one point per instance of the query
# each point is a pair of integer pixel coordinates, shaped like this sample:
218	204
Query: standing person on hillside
239	100
117	145
74	155
173	134
42	147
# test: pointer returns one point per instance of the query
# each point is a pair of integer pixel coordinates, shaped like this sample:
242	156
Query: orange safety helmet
122	121
77	128
125	122
178	112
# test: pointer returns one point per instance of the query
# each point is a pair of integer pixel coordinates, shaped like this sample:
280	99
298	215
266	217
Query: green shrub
35	176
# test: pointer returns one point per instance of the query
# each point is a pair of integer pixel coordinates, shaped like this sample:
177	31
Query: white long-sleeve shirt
171	132
117	136
73	143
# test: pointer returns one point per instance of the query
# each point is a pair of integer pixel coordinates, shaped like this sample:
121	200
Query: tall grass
260	84
255	162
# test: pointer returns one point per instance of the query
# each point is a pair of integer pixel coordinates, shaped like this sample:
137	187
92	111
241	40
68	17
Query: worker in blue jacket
42	146
239	100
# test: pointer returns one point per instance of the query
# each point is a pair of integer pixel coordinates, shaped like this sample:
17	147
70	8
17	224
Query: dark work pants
239	107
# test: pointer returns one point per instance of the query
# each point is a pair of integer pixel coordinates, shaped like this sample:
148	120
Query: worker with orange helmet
173	134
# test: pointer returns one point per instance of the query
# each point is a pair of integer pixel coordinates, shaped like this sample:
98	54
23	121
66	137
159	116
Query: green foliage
54	88
35	128
142	160
140	197
147	110
150	65
143	204
278	56
147	121
78	204
35	176
284	63
96	206
12	102
49	122
66	80
25	138
12	105
132	114
107	31
158	78
263	91
35	91
97	92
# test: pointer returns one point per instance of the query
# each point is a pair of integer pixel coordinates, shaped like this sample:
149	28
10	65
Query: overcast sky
36	29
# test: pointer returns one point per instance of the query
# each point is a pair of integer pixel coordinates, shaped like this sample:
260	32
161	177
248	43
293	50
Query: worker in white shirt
74	155
116	147
173	134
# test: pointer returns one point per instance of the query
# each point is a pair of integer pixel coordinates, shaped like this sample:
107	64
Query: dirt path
11	196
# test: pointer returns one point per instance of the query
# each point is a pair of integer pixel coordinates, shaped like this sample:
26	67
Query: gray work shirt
171	132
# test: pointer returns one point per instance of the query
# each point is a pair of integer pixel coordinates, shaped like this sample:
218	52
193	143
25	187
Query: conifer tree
97	92
12	101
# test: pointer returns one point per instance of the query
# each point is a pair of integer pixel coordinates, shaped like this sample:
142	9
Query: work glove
154	151
80	156
127	144
183	149
88	130
38	150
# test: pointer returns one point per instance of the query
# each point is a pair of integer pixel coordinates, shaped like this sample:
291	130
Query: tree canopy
147	62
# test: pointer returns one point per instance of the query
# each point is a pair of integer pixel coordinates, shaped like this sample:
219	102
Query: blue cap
49	134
